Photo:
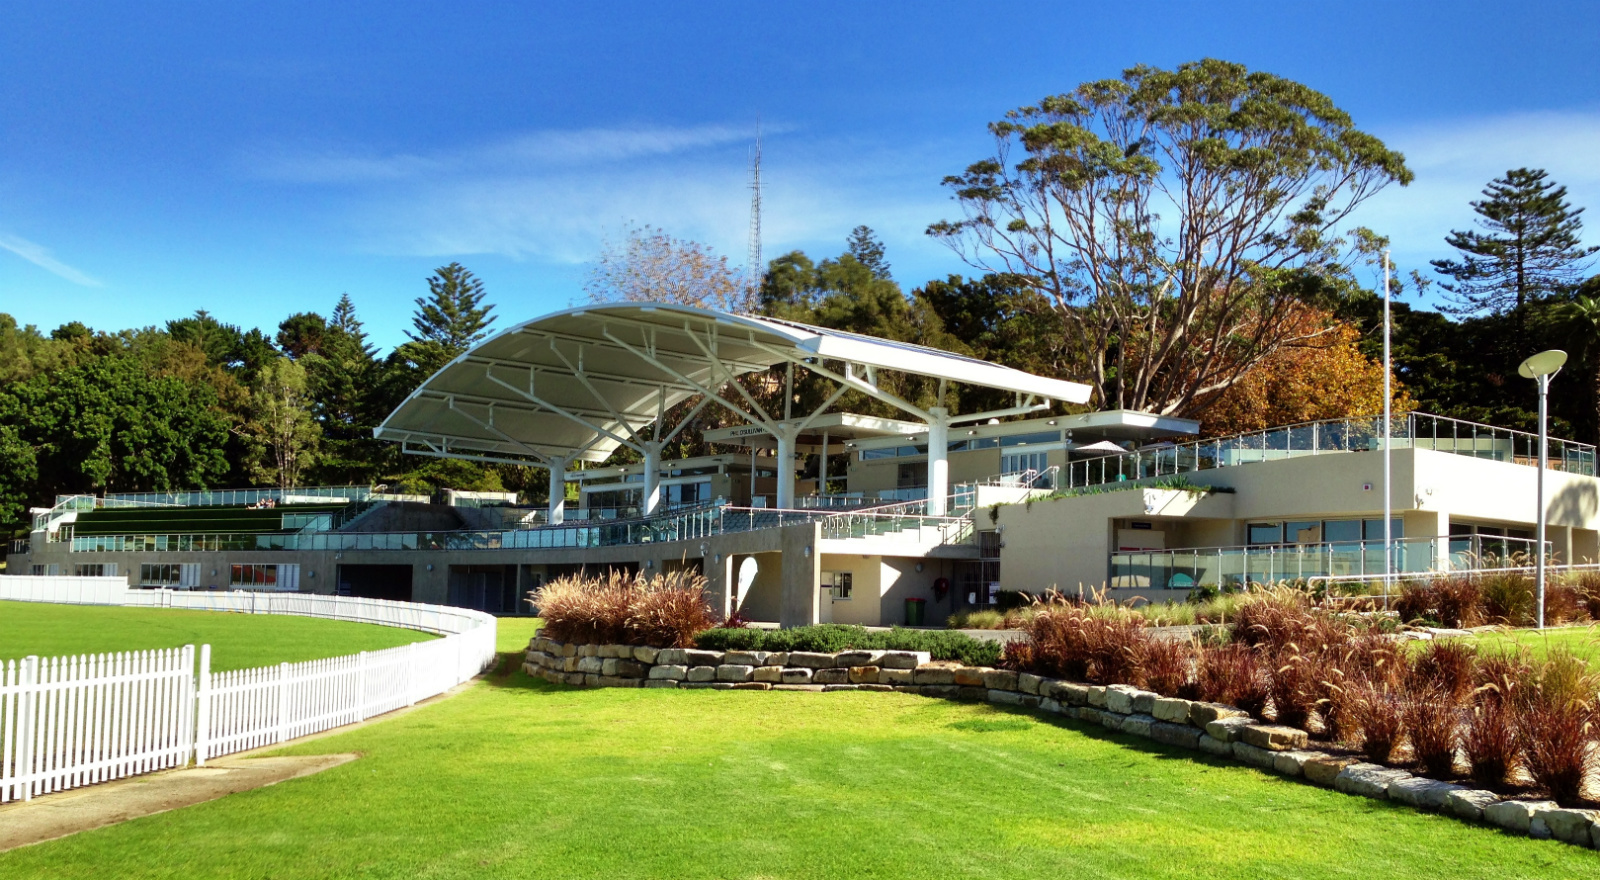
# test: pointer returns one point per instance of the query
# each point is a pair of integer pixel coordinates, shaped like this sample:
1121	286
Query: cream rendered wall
1066	542
867	587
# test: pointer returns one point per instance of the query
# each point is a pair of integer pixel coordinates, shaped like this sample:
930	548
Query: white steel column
822	468
786	435
558	491
938	459
652	477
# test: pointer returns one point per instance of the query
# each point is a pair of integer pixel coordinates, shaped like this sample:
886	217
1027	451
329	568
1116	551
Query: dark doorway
376	581
491	588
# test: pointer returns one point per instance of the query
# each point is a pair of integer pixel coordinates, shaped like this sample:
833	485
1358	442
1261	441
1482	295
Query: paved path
95	806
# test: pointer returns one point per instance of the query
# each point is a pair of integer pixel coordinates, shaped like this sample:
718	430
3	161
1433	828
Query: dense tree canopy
1170	237
1159	212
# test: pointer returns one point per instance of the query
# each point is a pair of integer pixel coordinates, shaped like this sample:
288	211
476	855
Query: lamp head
1545	363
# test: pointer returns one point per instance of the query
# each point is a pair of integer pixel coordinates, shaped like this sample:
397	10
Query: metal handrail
1414	430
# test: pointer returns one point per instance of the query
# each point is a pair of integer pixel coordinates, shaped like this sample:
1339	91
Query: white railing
72	721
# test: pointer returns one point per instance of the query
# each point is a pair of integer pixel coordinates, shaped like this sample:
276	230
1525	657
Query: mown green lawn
1583	641
238	641
518	779
514	633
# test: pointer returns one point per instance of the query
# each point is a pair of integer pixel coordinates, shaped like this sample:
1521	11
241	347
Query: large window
94	569
178	575
1328	531
250	576
1021	462
840	584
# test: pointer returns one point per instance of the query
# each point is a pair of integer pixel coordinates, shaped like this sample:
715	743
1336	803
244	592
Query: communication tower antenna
755	267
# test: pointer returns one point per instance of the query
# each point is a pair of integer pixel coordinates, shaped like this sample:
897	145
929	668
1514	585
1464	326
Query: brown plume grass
663	611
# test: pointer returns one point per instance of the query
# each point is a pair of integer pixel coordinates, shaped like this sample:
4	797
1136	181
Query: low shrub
984	619
831	638
664	611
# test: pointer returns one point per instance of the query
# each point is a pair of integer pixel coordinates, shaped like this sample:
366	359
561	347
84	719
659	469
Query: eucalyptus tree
1167	216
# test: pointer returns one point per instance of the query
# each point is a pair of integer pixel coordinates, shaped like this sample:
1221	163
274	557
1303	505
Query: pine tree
868	251
453	317
344	321
1531	246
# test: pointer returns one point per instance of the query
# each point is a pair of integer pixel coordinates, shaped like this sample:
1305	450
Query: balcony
701	522
1270	563
1333	436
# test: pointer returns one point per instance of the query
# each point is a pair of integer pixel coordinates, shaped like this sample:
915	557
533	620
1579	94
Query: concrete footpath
95	806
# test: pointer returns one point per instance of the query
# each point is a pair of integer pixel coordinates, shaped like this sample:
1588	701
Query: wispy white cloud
555	197
40	256
520	153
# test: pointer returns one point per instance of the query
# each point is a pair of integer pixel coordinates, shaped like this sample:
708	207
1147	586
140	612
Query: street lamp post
1542	367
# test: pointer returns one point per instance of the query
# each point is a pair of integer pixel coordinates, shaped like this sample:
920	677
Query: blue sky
260	159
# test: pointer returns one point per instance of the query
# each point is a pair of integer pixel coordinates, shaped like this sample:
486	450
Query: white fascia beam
1023	409
406	448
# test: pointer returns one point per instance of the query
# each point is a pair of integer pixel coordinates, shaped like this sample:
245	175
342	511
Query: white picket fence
72	721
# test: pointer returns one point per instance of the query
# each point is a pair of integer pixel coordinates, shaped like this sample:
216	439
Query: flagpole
1388	513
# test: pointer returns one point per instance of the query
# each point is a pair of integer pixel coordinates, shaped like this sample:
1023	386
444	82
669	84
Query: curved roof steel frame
575	385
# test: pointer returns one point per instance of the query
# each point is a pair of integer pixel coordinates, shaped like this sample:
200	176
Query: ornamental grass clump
663	611
1375	717
1101	643
1491	741
1438	684
1556	713
1233	674
1454	602
1169	668
1508	599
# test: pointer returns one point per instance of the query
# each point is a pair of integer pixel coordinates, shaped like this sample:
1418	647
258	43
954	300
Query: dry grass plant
663	611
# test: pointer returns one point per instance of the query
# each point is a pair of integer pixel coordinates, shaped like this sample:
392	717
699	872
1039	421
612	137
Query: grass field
514	633
518	779
238	641
1583	641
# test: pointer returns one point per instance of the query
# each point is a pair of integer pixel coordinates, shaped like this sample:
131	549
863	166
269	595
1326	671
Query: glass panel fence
1417	430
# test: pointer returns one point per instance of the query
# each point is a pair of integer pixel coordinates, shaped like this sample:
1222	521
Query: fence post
202	716
411	673
361	686
27	706
283	701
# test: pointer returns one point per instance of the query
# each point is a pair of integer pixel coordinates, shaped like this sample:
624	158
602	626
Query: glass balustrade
1270	563
1414	431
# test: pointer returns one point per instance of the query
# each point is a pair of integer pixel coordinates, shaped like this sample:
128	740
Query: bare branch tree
651	266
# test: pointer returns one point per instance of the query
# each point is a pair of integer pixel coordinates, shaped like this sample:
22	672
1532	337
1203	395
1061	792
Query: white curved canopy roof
576	384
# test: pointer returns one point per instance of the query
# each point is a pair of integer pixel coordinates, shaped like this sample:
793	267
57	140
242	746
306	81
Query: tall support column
938	459
786	435
558	491
652	477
